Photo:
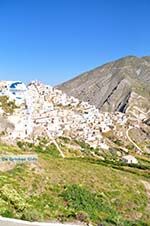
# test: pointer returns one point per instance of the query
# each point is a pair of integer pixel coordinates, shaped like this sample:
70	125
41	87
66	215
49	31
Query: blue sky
55	40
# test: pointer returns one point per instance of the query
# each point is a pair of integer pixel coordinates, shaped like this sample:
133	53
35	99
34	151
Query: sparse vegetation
7	105
42	146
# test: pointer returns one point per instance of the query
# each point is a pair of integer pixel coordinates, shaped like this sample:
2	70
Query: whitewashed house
130	159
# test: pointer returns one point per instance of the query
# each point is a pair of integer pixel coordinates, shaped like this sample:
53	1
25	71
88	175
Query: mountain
110	86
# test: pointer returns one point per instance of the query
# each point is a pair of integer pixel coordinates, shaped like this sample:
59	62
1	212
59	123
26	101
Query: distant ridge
109	86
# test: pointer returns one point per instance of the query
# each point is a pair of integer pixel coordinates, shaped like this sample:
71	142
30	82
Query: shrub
20	144
7	105
8	214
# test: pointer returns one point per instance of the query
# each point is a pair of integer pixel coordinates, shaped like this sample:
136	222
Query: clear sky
55	40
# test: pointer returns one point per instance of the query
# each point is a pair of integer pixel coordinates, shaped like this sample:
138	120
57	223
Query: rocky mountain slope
110	86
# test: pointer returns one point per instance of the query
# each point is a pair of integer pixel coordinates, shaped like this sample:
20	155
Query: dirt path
129	138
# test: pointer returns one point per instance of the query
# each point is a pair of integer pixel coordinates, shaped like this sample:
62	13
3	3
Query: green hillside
73	189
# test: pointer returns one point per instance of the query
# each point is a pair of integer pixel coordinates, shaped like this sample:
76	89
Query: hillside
73	189
46	111
89	166
110	86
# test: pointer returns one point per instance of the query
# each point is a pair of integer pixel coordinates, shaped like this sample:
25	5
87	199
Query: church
15	90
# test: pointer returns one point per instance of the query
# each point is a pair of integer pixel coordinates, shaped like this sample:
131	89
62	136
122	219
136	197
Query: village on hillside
42	110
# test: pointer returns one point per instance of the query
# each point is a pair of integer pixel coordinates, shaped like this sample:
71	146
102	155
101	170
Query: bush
20	144
8	214
7	105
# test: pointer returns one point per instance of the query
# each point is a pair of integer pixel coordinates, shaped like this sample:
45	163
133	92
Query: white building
129	159
15	90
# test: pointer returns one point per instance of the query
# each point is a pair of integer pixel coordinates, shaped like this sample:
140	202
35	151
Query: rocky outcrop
109	87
